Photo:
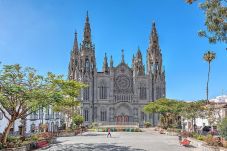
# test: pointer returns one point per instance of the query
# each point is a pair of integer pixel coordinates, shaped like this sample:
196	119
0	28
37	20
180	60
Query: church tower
87	50
138	67
73	71
154	65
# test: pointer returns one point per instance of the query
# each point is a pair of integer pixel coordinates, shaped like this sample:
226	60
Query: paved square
120	141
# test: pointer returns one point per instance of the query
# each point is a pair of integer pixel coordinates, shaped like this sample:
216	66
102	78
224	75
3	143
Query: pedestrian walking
109	134
180	138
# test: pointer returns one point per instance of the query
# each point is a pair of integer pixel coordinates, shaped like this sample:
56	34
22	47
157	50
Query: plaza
148	140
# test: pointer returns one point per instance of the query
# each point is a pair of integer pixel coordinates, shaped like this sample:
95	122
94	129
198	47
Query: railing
123	98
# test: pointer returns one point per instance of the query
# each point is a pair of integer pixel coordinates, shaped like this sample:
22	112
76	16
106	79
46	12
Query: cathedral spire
87	30
111	61
154	35
154	55
105	64
138	54
122	56
138	63
75	45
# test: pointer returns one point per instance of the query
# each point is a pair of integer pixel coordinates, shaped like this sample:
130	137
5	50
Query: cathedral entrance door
121	119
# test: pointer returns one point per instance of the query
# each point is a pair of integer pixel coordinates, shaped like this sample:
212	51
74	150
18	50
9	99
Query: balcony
57	115
34	117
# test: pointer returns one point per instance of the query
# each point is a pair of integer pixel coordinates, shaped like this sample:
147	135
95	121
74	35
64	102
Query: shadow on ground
93	134
91	147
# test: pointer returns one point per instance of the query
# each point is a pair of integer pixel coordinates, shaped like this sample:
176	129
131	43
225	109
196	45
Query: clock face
123	82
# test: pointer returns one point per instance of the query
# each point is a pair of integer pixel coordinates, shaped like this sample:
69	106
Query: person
109	134
180	138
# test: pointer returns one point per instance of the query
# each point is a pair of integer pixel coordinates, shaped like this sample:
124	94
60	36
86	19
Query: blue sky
40	34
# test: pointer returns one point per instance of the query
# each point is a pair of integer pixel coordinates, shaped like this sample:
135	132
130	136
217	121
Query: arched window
142	92
32	128
86	94
87	64
103	115
102	90
86	115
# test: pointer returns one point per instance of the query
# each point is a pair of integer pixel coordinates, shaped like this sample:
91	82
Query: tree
77	119
23	91
216	15
223	128
193	110
209	57
167	108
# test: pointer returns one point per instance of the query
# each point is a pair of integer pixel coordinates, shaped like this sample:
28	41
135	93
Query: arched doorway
123	113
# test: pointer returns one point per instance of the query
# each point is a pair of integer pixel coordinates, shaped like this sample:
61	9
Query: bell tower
154	66
88	62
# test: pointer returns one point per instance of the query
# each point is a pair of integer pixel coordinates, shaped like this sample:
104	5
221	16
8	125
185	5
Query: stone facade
117	93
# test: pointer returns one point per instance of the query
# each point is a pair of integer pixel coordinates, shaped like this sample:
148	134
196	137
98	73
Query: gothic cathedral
117	94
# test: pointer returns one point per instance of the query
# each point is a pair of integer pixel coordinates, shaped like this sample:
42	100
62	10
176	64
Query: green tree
77	119
223	128
23	91
209	57
167	108
193	110
216	16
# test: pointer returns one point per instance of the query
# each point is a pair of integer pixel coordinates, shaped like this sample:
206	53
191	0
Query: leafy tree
167	108
23	91
193	110
171	110
216	16
77	119
223	128
209	56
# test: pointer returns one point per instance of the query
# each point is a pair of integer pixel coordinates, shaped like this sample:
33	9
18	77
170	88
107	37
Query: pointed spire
154	34
75	45
133	59
122	56
105	64
87	30
138	54
87	17
111	61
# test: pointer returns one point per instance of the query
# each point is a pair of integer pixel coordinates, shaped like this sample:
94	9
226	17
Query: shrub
200	137
210	140
223	128
77	119
147	124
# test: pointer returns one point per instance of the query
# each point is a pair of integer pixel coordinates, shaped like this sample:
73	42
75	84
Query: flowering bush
45	135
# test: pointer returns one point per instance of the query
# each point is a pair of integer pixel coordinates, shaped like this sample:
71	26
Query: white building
220	111
33	121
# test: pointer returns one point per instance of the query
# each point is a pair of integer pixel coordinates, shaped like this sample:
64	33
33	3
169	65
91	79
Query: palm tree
209	56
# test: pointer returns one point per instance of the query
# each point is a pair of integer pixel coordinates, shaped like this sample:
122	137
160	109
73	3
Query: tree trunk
207	88
6	131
